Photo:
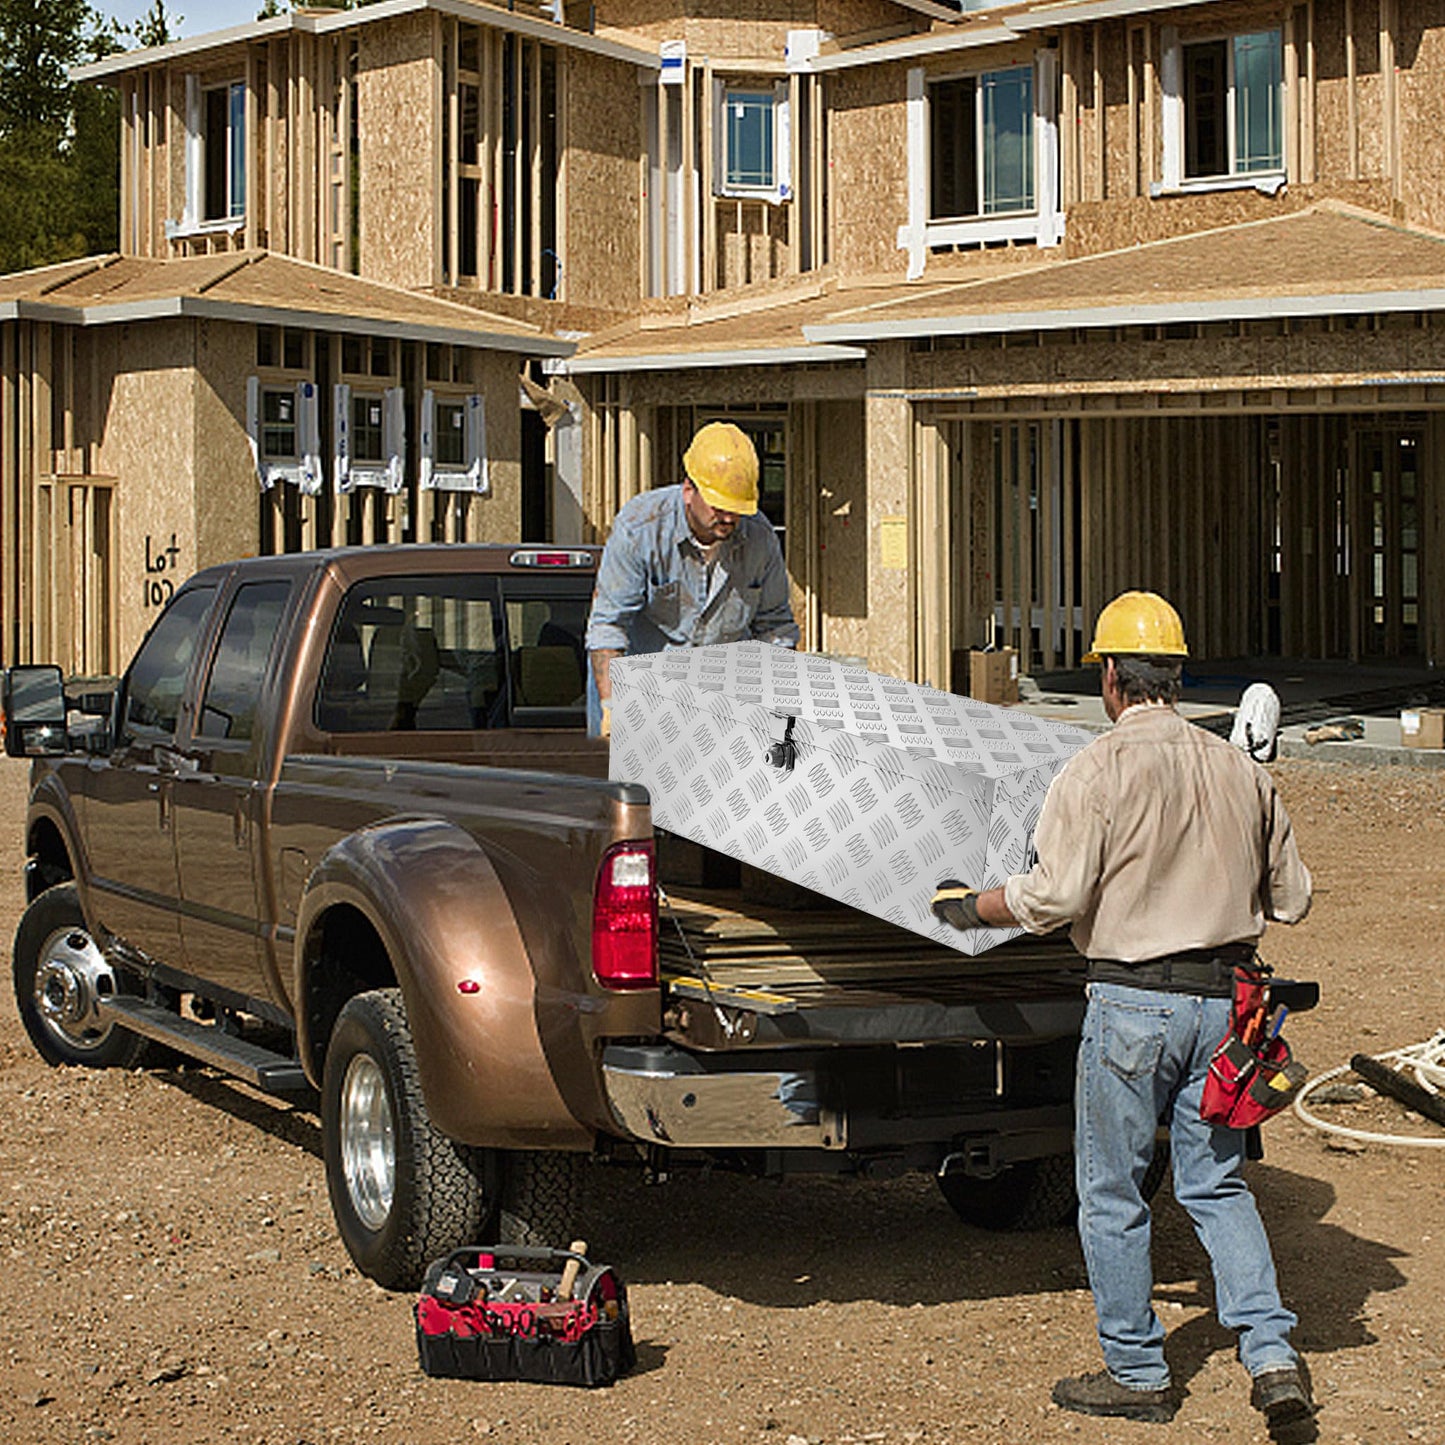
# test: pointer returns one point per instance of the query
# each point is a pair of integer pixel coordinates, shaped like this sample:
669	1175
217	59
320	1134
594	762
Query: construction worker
1167	850
689	565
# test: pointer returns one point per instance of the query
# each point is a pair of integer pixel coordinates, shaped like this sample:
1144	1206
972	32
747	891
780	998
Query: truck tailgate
741	974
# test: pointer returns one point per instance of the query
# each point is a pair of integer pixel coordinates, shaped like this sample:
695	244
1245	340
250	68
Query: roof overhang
914	46
204	307
1082	12
317	23
703	360
1227	308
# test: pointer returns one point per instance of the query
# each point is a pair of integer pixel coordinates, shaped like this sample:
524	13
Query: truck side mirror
34	712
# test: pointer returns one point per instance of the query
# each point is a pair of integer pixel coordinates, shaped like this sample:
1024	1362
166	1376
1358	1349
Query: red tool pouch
492	1312
1252	1073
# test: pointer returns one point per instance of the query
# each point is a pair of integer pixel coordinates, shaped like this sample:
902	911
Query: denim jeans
1143	1059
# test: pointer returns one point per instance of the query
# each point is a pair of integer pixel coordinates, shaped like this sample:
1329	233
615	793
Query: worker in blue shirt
689	565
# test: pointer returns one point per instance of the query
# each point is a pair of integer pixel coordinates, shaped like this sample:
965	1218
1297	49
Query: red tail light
624	917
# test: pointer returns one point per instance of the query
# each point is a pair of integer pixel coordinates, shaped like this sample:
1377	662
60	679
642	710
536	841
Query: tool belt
1202	972
499	1312
1252	1073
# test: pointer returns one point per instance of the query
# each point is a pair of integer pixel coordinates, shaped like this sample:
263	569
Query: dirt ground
171	1274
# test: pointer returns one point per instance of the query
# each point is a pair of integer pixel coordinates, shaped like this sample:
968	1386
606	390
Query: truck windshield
447	654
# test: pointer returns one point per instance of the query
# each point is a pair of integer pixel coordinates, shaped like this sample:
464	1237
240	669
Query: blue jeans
1143	1059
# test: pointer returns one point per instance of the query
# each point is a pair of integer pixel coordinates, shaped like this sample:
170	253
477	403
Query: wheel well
344	957
50	860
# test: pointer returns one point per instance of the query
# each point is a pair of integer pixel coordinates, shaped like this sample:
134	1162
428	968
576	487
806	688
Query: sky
196	17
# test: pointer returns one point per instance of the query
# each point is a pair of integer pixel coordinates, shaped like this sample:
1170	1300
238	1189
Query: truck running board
270	1072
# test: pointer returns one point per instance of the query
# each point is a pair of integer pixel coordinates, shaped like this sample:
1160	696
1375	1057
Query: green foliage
59	142
157	26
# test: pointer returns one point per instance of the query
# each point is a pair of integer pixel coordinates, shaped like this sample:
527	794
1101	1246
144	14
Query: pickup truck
339	831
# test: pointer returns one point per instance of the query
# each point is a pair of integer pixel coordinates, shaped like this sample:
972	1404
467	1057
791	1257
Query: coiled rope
1426	1061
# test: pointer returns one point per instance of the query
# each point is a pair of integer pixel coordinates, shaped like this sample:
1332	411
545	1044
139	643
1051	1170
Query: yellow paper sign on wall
893	543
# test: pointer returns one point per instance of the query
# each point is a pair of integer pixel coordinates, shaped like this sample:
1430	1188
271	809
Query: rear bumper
663	1095
981	1105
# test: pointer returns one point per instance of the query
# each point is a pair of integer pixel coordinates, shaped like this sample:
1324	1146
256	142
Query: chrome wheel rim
71	978
368	1144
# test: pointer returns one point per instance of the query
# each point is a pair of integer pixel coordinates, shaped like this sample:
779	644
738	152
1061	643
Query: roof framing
316	23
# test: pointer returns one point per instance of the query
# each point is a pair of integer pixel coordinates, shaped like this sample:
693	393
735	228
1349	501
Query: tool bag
1252	1073
496	1312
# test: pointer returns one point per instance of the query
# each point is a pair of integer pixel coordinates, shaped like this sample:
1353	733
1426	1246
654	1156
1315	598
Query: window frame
194	220
779	188
1043	226
1176	117
979	80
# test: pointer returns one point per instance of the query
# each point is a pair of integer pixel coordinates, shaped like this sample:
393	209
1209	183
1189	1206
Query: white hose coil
1426	1061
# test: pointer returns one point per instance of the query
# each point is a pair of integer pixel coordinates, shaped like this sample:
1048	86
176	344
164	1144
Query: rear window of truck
454	654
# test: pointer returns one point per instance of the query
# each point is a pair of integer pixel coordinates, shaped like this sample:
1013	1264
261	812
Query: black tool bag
498	1312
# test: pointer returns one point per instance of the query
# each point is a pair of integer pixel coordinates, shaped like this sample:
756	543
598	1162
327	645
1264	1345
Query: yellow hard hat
1140	624
723	467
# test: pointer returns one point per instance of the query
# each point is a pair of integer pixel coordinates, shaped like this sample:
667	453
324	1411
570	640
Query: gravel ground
171	1273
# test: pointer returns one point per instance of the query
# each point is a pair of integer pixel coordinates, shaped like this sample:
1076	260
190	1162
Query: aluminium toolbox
862	787
502	1312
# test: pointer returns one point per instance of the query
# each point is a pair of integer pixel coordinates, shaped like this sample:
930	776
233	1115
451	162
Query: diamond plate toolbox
887	786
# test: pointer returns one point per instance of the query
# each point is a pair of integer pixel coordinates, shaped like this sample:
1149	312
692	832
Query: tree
157	26
59	142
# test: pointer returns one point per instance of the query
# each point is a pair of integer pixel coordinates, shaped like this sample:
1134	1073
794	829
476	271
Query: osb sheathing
603	140
1094	226
721	34
888	439
868	177
1332	102
1163	372
1118	120
498	517
752	242
745	385
1369	90
397	122
1420	53
841	486
227	510
150	448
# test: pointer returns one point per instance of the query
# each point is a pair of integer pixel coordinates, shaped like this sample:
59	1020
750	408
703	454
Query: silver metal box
863	787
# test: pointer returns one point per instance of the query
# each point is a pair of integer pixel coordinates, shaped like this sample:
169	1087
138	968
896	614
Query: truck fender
434	898
51	826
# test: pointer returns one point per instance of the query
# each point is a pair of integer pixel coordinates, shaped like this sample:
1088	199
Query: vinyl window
981	144
224	152
1233	106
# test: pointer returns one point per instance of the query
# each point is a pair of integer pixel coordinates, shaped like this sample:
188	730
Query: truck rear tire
1034	1194
60	975
403	1193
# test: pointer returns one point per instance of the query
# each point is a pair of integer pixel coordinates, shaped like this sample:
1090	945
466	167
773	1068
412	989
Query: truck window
549	661
414	653
157	678
232	693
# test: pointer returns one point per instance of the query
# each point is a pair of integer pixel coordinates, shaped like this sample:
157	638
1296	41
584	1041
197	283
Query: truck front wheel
60	977
403	1193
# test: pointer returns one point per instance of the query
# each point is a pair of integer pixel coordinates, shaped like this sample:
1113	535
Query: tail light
624	917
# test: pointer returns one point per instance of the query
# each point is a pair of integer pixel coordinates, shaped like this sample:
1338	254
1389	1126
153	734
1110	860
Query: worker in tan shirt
1167	851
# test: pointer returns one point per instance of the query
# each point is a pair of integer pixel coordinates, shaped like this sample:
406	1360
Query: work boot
1282	1395
1102	1394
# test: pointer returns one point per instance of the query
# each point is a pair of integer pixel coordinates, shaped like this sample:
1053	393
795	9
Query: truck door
216	795
130	833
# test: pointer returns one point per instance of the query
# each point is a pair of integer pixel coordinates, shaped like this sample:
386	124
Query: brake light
624	917
530	558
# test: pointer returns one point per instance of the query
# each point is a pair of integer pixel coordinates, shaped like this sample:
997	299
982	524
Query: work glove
956	904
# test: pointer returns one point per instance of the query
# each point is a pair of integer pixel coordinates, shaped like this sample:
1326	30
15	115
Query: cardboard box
993	677
1423	727
893	787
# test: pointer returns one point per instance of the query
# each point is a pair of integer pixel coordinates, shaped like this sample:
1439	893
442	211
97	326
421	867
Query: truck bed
738	972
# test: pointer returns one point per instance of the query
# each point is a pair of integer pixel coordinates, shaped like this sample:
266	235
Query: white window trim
303	472
781	190
350	473
474	475
1044	225
191	222
1173	181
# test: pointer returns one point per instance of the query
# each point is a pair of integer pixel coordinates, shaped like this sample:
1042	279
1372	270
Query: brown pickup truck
339	828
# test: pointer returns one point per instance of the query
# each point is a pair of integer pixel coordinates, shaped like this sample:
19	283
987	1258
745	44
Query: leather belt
1203	972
